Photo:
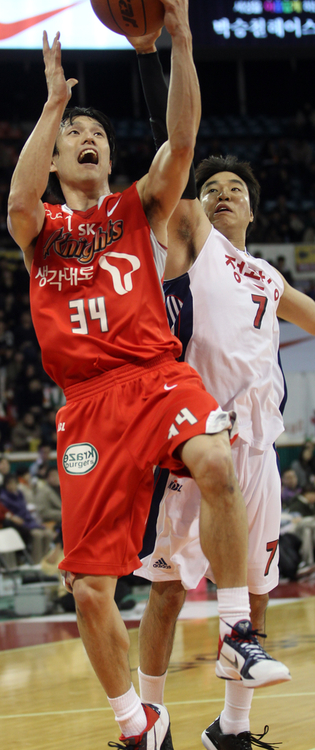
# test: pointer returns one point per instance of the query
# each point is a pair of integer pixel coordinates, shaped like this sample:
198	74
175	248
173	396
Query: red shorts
111	432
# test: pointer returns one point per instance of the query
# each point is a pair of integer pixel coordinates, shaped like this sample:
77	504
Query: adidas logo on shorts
161	564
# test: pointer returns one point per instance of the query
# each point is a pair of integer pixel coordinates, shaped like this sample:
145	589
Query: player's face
225	200
83	153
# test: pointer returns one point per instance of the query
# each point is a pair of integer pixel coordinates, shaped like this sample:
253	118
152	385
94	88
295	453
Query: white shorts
177	554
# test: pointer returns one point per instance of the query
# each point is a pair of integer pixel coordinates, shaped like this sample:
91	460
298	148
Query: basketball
130	17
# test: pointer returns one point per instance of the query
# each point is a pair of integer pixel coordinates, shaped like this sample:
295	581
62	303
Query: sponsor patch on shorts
80	458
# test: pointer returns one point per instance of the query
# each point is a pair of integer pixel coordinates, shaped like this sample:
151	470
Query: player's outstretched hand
58	87
144	44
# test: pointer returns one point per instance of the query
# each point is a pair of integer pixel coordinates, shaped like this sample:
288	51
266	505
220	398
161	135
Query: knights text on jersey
224	310
96	295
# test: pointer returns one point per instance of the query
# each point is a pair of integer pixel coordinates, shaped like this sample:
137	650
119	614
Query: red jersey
96	295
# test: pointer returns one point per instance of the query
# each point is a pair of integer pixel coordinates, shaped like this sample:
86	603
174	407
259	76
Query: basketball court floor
50	698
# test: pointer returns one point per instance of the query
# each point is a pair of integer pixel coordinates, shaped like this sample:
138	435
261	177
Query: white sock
234	718
151	687
129	713
233	605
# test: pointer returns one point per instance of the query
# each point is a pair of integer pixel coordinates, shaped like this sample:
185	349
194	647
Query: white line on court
40	714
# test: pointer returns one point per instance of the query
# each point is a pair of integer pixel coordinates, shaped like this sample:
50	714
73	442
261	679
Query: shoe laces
256	739
244	632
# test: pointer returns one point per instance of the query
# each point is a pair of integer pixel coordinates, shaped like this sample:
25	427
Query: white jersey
224	310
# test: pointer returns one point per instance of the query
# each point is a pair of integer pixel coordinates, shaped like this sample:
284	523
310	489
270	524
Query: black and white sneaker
241	657
213	739
167	743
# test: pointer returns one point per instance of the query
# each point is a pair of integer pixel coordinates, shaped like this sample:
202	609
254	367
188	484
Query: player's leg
156	637
175	564
223	519
258	607
223	537
261	487
103	631
232	727
101	540
106	641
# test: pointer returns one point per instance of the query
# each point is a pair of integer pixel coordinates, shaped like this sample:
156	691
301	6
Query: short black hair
8	478
214	164
69	115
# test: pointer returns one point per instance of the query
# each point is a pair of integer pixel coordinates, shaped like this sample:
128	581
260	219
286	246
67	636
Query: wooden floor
50	698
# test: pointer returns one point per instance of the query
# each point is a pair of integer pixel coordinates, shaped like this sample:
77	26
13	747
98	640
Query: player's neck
81	199
237	238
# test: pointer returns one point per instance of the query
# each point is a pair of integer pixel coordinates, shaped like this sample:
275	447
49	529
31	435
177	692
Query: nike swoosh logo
111	211
170	387
234	663
10	29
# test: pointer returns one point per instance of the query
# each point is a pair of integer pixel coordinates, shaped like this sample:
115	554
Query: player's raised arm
168	175
30	177
297	308
188	215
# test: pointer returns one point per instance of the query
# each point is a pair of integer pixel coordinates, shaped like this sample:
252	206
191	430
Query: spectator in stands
4	515
304	466
36	537
25	485
289	486
48	501
309	233
298	530
297	228
281	267
278	230
25	336
26	393
42	463
34	396
48	428
5	469
303	504
26	434
6	340
14	367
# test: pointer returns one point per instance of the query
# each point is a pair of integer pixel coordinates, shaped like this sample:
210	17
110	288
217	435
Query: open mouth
88	156
221	209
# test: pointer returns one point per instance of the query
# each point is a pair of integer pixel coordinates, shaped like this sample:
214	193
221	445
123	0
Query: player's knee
90	595
167	599
84	595
214	471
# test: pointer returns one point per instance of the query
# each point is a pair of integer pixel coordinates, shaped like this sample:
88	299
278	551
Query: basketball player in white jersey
223	304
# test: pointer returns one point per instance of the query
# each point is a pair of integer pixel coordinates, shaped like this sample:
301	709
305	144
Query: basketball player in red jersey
96	262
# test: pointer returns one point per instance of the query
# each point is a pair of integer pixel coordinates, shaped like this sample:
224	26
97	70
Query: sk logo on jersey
67	246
